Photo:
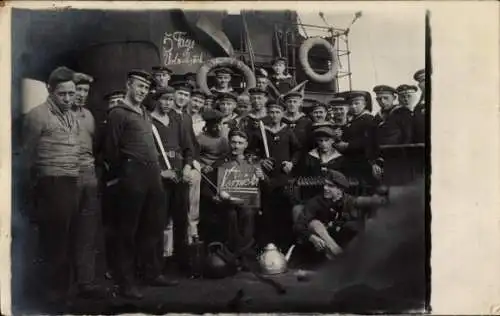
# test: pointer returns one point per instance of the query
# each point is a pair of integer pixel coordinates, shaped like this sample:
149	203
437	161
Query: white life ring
303	57
201	75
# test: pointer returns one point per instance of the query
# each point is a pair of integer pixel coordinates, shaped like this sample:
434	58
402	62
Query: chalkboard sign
179	49
240	182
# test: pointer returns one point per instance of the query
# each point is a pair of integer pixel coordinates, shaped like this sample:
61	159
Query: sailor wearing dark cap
295	118
161	75
262	79
279	159
406	95
419	110
323	156
338	111
280	78
232	222
51	165
250	123
176	135
114	97
394	121
226	103
190	78
195	108
419	77
131	152
359	141
223	80
330	220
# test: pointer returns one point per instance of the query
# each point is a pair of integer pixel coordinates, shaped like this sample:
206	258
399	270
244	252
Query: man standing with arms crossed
50	154
130	151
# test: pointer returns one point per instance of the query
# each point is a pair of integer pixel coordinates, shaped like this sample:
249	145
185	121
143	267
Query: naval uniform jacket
284	84
187	123
360	134
301	126
129	136
283	146
419	123
250	124
312	165
175	140
394	126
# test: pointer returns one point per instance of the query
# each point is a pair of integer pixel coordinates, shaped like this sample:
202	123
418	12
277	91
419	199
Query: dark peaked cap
155	69
141	75
114	94
384	88
337	178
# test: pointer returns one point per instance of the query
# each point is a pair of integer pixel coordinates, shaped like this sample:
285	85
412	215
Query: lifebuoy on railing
304	61
201	76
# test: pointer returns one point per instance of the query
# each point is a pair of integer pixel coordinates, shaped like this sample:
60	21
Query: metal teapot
272	261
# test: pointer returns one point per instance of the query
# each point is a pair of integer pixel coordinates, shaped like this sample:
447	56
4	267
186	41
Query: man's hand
267	164
169	175
259	173
207	169
287	166
377	171
318	243
186	174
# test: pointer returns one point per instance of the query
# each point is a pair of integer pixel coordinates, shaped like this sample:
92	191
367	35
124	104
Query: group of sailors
145	174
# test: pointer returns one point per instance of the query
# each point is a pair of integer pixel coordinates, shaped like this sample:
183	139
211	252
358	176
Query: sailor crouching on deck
330	221
131	153
238	220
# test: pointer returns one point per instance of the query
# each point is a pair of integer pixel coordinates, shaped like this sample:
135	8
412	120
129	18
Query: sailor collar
314	153
253	116
163	119
275	130
294	119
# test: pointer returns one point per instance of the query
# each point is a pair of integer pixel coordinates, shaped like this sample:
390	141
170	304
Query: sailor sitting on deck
328	222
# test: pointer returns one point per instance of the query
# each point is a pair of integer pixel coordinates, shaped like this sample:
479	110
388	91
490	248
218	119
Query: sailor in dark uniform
419	110
131	153
284	151
359	143
318	113
226	104
295	118
280	78
394	121
406	95
162	76
250	123
223	78
179	153
235	222
323	156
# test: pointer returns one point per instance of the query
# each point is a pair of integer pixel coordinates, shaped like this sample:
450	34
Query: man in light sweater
51	161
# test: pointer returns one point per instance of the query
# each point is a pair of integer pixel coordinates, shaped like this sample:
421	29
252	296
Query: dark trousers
240	223
177	206
138	222
56	207
87	226
277	221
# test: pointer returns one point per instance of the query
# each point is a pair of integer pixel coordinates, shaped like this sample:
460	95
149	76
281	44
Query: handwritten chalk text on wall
179	49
